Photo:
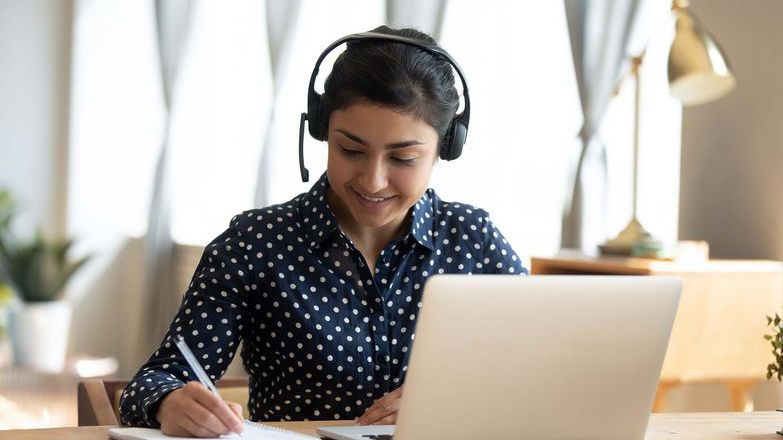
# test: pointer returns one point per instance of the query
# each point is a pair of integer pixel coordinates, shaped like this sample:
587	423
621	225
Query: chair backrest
98	400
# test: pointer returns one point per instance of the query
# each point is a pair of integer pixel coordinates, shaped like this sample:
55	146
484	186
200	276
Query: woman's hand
195	411
383	411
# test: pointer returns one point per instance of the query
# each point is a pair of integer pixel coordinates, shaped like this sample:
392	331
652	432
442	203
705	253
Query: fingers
236	408
195	411
388	420
192	424
215	414
383	411
378	411
186	427
207	420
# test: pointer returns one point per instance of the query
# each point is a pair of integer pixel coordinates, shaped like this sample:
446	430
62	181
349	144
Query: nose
374	178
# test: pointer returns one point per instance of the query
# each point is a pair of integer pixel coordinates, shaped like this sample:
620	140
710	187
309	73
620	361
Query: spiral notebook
252	431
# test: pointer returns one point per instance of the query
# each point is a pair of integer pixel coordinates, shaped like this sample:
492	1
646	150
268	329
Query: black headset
457	132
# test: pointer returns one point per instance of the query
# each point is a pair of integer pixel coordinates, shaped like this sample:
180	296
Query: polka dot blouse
322	337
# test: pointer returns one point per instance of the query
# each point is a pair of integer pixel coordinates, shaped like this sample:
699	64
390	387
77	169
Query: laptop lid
545	357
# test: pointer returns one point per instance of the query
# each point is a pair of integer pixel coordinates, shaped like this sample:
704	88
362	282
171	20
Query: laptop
541	357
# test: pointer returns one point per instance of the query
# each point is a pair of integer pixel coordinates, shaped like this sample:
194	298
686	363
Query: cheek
336	168
414	181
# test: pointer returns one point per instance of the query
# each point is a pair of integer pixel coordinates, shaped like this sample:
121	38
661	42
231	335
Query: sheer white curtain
173	23
116	119
524	113
281	18
117	115
224	98
426	16
600	31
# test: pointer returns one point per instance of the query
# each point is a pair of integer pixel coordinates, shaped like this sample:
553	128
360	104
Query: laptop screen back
540	357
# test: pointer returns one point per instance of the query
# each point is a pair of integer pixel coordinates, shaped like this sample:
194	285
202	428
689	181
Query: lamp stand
634	233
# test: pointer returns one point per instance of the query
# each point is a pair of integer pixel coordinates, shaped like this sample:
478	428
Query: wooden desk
36	400
720	324
689	426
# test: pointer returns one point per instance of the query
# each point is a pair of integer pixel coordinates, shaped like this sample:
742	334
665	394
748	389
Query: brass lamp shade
698	71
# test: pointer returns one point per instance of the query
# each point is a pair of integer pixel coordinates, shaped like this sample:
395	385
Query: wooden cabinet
718	334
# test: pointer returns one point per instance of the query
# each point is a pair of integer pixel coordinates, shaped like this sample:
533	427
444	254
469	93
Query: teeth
372	199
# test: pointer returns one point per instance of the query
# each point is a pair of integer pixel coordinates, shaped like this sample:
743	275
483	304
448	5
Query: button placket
379	360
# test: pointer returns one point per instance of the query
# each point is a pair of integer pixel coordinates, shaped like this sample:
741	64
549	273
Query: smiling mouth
372	202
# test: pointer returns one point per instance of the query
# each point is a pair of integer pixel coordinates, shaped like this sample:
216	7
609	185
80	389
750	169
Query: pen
201	375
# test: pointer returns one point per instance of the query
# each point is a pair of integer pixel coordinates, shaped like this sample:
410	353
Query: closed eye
406	162
349	152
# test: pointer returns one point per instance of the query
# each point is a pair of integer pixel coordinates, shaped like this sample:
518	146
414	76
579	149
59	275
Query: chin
371	221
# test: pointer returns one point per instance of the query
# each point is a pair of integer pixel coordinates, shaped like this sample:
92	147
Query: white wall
34	77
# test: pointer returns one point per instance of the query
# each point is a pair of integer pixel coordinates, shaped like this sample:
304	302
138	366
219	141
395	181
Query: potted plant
776	340
36	271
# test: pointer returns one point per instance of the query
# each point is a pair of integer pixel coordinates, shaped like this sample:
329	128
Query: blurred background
139	128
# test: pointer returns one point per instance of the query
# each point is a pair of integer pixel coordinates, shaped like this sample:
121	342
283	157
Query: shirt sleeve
211	318
499	257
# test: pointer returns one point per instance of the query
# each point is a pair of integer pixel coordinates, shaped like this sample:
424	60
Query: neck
369	240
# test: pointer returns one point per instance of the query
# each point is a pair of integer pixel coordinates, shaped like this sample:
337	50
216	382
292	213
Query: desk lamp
698	73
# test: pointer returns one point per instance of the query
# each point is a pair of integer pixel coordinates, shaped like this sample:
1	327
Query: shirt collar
316	217
318	221
422	218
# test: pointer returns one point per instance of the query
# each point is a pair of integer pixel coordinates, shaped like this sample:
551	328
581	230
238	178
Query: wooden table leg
659	404
739	391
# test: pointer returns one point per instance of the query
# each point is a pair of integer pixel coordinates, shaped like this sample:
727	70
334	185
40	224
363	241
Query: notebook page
252	431
259	431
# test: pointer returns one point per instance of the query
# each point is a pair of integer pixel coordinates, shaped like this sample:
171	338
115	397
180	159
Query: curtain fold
424	15
173	20
281	26
600	31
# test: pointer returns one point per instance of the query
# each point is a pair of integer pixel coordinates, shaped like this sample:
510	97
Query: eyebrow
393	145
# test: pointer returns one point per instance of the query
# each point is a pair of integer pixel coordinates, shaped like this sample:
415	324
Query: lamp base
631	236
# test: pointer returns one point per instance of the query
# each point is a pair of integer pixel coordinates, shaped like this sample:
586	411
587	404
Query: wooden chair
98	400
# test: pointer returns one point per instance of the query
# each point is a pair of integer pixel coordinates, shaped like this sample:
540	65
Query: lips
371	202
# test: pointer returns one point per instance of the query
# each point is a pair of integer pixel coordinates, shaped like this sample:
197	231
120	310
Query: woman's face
380	162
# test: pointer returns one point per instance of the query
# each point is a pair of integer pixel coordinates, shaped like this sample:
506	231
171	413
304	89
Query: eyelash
404	162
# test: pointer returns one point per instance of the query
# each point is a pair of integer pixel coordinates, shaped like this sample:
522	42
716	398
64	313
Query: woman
324	290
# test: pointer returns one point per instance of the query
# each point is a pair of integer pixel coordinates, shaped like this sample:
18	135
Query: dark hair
400	76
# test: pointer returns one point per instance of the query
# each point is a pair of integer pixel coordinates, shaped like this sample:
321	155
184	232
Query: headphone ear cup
454	141
315	123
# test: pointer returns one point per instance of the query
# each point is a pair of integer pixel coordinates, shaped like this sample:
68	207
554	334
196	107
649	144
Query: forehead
378	123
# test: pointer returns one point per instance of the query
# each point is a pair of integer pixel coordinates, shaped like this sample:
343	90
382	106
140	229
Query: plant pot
39	335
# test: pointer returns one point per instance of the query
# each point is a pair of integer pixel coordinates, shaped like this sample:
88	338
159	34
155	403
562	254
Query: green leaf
37	269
